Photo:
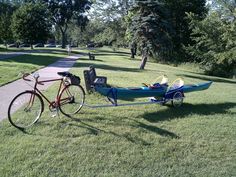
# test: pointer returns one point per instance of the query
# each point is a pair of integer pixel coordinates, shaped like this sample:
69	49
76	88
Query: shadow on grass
95	131
108	67
208	78
113	52
79	52
154	129
87	59
188	109
110	54
102	52
39	60
137	124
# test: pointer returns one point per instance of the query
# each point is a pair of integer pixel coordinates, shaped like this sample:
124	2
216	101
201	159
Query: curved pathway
9	91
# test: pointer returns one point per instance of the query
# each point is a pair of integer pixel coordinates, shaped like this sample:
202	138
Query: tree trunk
63	35
5	45
144	60
63	42
132	53
135	50
31	45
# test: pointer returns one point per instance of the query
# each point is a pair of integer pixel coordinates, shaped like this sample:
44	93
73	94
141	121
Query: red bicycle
26	108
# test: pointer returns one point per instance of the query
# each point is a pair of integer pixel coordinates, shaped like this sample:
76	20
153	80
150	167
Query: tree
151	30
64	12
110	10
29	23
110	14
6	11
91	33
113	33
180	23
215	41
226	9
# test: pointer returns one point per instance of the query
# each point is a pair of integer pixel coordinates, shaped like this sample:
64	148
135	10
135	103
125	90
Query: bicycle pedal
54	112
54	115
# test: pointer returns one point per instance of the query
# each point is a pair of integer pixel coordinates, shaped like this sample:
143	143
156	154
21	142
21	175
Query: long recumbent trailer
26	108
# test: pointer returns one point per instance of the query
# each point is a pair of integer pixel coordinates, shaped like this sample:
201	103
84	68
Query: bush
215	44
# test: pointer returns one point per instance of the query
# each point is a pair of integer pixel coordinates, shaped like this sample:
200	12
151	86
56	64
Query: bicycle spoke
25	109
71	99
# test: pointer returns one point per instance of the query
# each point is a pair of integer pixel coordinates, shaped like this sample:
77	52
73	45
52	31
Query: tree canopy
6	11
151	29
178	19
162	26
215	40
109	16
63	12
30	24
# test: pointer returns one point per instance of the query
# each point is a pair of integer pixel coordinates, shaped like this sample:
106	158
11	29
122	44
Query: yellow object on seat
163	79
177	83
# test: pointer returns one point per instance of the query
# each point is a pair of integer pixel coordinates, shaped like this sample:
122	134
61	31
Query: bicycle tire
23	113
71	99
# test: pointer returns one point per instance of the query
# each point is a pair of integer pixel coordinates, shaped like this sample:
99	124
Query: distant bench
91	56
91	79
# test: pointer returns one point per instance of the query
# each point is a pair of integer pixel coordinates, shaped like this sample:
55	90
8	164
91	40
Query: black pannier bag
74	80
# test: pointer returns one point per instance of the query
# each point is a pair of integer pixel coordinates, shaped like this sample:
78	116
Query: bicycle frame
61	86
31	101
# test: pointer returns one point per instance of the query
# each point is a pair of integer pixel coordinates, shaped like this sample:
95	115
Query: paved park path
9	91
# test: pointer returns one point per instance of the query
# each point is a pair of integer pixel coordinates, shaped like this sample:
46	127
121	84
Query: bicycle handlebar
35	76
24	77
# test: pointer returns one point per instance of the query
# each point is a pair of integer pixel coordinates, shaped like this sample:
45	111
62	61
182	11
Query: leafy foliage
29	23
113	33
151	29
168	23
109	10
215	43
180	23
6	11
109	18
64	12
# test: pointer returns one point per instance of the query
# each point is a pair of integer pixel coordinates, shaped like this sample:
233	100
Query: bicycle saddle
64	74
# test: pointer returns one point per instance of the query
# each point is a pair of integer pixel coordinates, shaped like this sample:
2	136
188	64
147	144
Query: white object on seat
176	84
164	80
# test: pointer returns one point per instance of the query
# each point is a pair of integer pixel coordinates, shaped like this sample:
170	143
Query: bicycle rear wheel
25	109
71	99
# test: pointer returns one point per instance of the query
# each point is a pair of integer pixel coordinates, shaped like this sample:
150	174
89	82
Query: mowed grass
12	68
197	139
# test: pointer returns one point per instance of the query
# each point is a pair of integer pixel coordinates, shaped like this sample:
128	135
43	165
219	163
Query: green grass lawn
197	139
12	68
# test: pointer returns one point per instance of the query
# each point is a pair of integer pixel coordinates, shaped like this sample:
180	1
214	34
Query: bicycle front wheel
71	99
25	109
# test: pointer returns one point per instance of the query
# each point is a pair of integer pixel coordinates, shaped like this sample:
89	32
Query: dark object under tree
133	50
91	56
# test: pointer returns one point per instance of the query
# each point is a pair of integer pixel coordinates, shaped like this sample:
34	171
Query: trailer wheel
177	99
